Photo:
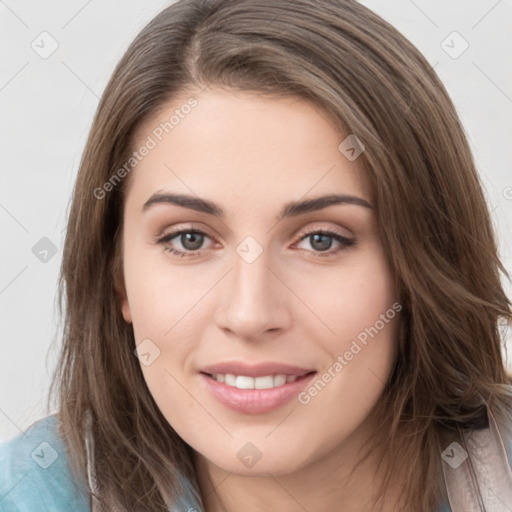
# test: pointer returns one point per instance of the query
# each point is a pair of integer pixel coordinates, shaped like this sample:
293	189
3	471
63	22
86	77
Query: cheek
360	359
163	301
361	311
158	295
369	328
347	298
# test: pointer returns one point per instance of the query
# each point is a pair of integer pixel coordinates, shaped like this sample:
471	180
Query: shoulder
488	477
35	475
505	429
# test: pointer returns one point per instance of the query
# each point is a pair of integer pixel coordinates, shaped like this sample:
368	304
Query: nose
253	300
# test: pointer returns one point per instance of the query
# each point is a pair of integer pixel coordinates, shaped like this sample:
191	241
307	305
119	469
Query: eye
322	240
190	240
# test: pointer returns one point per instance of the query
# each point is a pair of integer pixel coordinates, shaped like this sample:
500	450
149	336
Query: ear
120	289
125	307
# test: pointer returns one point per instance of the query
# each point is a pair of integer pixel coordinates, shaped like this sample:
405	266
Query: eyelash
346	242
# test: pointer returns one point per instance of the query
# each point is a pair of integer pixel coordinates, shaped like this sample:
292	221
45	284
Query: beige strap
477	475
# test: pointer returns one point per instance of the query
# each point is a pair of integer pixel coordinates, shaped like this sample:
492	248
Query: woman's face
266	331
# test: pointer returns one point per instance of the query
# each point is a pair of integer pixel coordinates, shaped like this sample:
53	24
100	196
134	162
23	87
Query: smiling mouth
262	382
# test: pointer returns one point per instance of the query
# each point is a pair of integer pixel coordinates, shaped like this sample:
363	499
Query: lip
256	370
255	401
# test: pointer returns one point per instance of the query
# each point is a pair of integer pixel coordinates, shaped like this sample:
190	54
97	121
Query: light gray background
48	105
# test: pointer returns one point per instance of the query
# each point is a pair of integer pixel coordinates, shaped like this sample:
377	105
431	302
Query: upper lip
255	370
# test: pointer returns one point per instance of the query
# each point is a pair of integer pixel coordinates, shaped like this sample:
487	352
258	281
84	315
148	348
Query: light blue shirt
35	475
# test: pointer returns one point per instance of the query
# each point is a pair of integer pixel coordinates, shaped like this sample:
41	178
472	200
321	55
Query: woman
281	283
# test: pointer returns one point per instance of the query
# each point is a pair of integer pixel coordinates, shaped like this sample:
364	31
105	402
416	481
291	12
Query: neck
334	481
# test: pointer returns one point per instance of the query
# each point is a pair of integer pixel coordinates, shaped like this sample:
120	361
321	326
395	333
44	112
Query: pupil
327	242
191	241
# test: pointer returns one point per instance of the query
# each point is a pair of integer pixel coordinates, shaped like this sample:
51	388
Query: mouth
248	382
255	389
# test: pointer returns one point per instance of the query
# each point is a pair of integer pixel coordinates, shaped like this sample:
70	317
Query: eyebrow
290	209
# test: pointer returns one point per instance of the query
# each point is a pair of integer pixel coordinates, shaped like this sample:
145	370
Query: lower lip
255	401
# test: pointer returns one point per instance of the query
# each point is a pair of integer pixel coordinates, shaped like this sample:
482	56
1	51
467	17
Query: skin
251	155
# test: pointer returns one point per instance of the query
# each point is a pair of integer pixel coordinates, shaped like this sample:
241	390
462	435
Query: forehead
243	146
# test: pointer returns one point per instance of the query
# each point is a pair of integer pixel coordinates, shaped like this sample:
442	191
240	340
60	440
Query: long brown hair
433	219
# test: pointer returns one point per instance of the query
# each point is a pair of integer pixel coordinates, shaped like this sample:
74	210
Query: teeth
279	380
245	382
264	382
242	382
